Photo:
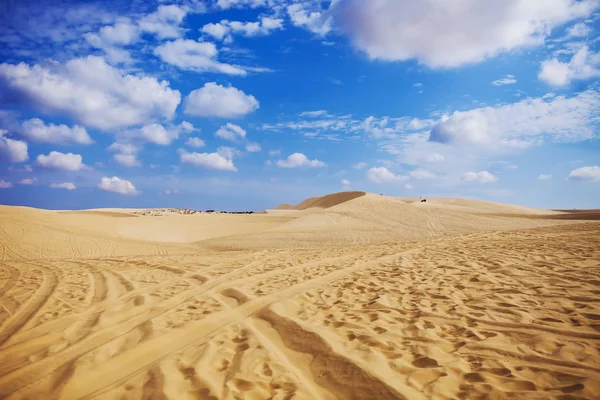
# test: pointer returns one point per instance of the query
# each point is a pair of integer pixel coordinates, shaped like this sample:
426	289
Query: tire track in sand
148	353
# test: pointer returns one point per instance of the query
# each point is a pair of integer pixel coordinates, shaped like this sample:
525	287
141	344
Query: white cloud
126	154
442	33
168	192
12	150
227	152
507	80
64	185
157	133
253	147
117	185
225	29
195	142
164	22
230	132
110	37
422	174
92	92
521	124
28	181
383	175
299	160
316	21
122	32
213	161
123	148
544	177
5	185
225	4
37	131
214	100
579	30
360	165
127	160
346	184
274	152
481	177
60	161
585	174
196	56
434	158
313	114
583	65
416	124
219	30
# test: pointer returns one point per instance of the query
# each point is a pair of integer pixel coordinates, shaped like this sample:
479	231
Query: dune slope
392	299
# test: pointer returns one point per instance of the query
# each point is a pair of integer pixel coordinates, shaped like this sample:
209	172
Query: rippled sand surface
358	297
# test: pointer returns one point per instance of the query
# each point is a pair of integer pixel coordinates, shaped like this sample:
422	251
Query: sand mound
387	301
285	207
33	233
369	218
330	200
323	201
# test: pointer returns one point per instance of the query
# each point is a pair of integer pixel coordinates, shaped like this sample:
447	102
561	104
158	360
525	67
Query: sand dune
351	297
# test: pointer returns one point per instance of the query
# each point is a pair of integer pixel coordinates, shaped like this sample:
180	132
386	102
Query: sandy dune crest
351	296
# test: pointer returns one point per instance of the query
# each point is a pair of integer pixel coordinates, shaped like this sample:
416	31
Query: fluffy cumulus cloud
5	184
127	160
196	56
111	38
126	154
225	29
220	161
298	160
213	100
585	174
12	150
36	130
91	92
60	161
481	177
383	175
442	33
544	177
360	165
64	185
346	184
117	185
522	124
583	65
157	133
310	16
253	147
165	21
195	142
231	132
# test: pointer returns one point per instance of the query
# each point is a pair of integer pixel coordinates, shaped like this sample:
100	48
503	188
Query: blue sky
245	104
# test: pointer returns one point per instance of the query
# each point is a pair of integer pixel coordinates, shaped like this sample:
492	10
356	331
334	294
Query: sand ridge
372	297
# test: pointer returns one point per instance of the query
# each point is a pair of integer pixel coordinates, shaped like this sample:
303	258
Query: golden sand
349	296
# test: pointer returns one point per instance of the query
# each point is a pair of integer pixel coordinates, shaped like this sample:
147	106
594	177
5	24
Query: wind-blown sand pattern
365	297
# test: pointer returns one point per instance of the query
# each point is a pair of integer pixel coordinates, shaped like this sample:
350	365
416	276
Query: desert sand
347	296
